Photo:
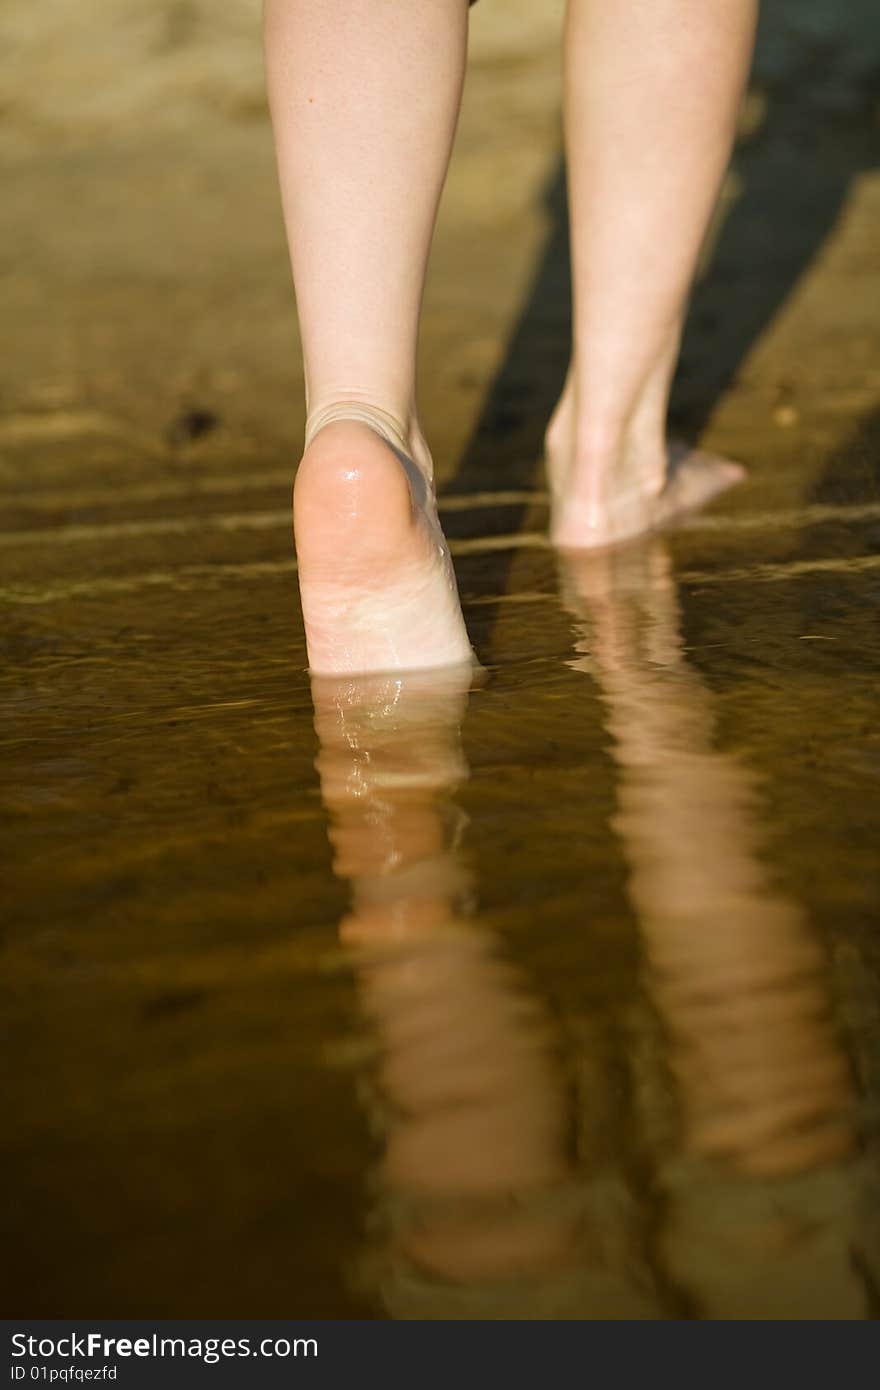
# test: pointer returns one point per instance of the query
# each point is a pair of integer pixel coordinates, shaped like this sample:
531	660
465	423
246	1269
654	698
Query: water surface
552	997
548	995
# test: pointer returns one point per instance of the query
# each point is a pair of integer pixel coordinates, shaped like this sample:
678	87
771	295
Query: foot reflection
470	1102
757	1187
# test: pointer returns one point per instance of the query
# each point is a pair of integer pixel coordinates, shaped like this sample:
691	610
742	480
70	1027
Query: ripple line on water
280	518
191	577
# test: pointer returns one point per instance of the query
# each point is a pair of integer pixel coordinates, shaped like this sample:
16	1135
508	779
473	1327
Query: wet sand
207	1074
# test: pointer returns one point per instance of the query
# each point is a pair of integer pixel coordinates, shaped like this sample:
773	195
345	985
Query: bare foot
641	489
376	579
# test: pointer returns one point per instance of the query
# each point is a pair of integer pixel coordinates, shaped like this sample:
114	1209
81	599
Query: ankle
611	420
559	434
391	424
588	432
604	435
398	426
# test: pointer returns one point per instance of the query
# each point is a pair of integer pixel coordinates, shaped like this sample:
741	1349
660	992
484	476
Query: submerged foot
634	485
376	579
586	517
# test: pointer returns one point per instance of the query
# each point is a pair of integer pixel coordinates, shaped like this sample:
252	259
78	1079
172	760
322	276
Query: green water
552	997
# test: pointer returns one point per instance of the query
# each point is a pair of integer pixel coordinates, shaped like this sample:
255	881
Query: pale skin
652	93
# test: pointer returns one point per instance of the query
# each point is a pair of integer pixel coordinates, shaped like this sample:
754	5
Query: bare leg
652	92
363	144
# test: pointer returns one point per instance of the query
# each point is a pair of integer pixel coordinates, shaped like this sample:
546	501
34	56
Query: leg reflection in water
478	1209
758	1183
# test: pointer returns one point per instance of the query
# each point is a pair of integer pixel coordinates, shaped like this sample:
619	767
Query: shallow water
551	997
557	996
